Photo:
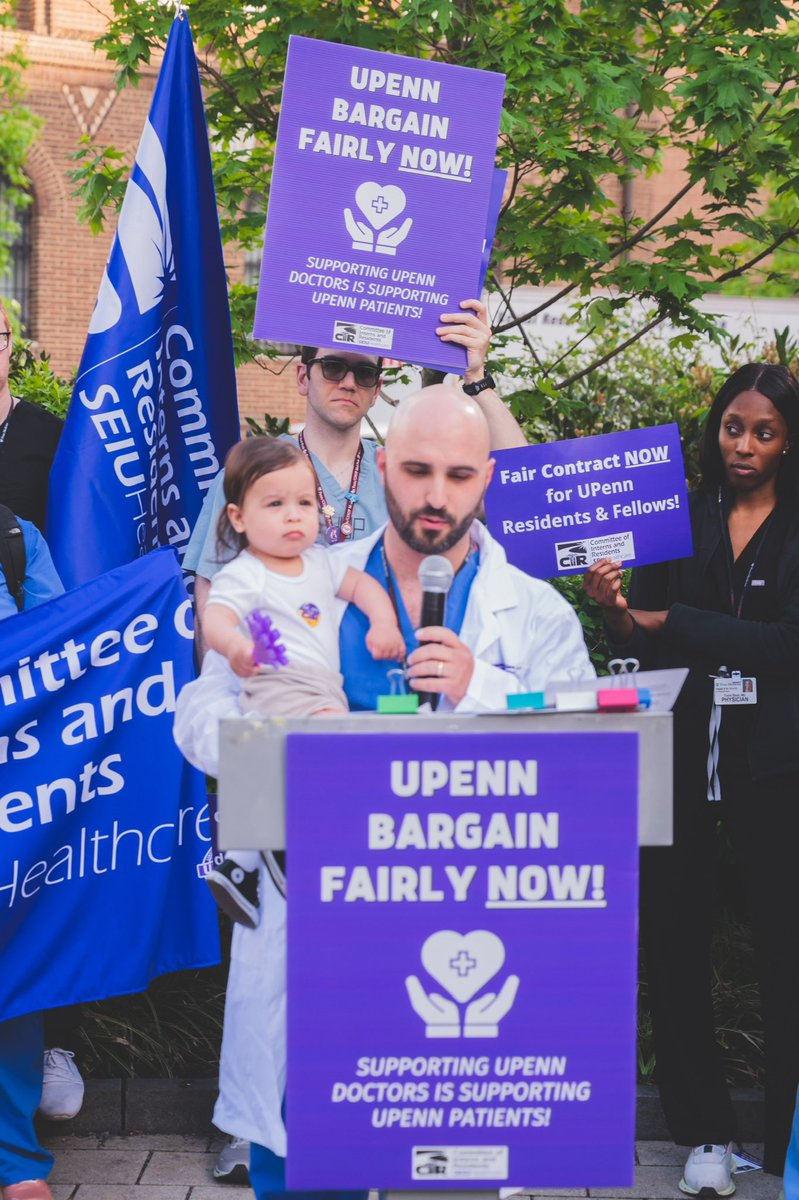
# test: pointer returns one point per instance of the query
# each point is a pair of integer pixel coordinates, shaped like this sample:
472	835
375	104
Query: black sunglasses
366	374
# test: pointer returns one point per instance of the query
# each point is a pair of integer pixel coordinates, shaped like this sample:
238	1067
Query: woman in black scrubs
732	607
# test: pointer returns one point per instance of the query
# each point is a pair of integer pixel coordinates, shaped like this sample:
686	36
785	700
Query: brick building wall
71	87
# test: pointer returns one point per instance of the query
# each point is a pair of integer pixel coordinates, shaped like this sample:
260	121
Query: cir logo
571	554
428	1162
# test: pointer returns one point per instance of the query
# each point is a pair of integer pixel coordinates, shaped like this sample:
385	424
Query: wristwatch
482	385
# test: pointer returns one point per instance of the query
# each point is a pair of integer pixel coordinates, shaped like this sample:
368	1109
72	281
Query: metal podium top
252	762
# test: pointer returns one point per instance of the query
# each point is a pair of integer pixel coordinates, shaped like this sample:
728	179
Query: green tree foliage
596	93
778	275
32	378
18	130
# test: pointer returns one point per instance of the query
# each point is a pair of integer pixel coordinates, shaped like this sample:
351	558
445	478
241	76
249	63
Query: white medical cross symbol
462	964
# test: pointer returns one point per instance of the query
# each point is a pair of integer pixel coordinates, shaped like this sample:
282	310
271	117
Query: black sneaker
236	892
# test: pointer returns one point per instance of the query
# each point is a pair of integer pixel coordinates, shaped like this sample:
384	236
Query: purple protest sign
492	221
378	207
461	960
559	507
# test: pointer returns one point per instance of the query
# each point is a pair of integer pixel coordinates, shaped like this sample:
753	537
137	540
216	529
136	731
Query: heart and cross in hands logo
462	964
376	229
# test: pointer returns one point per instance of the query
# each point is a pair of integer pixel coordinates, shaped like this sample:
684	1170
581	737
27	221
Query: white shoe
62	1087
708	1171
233	1163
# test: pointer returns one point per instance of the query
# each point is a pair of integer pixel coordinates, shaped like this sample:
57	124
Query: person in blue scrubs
22	1159
505	632
41	578
339	387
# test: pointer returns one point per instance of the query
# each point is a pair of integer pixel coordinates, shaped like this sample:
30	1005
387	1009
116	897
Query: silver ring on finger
440	670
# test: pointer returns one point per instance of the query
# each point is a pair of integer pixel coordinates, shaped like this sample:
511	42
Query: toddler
271	518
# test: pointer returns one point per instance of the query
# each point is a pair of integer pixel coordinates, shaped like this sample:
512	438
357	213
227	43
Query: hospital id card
737	690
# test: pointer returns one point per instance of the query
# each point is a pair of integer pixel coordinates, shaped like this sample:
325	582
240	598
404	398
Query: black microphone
435	576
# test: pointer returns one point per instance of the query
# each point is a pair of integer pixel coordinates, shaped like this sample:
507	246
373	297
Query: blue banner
104	828
154	408
560	507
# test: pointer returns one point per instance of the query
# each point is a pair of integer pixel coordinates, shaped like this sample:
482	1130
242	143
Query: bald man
505	632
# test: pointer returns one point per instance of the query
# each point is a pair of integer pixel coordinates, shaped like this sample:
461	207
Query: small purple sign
560	507
462	950
379	202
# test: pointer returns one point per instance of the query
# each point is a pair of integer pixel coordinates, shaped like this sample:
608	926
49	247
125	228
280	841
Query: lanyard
6	423
336	533
737	606
390	575
392	592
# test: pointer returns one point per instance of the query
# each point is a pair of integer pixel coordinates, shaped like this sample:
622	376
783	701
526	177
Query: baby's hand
384	640
241	657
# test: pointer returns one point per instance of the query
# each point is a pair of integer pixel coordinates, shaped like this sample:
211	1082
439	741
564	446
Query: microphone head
436	574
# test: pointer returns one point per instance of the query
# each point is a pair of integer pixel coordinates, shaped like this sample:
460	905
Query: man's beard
427	541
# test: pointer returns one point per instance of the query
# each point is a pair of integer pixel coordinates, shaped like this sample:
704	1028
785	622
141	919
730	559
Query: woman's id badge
735	689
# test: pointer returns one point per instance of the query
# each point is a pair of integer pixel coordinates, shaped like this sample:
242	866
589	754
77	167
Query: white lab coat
524	636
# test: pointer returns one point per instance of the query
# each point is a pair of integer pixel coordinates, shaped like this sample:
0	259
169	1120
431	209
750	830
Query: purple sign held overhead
461	960
380	195
560	507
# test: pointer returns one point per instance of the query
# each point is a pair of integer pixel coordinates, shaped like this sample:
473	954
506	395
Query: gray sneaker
708	1171
233	1163
62	1087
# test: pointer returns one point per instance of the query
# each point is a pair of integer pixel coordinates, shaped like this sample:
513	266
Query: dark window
15	277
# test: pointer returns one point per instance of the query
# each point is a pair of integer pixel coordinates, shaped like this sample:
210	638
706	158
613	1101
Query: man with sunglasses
340	387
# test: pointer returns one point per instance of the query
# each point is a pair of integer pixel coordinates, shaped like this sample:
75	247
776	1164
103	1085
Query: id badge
739	689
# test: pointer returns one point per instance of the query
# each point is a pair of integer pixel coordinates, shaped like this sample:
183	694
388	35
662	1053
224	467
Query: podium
252	763
379	969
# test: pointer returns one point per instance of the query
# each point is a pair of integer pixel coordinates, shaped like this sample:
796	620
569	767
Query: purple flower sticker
310	614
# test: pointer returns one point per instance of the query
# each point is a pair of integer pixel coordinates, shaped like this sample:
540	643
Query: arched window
15	228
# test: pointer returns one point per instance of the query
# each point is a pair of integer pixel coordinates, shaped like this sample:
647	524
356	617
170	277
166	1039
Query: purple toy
269	650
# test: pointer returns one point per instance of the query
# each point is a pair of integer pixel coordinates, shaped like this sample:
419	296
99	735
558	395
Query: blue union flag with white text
154	408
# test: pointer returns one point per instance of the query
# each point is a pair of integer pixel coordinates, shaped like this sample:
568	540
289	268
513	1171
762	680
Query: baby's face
278	515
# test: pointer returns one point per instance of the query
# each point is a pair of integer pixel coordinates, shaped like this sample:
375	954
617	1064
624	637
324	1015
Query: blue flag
105	832
154	409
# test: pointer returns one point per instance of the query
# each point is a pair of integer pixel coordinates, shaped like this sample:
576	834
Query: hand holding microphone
442	664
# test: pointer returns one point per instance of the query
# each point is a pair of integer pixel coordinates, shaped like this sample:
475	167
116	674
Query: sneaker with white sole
708	1171
62	1086
233	1163
236	892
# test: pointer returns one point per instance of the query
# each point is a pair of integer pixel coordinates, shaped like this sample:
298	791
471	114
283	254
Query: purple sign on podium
560	507
379	202
462	917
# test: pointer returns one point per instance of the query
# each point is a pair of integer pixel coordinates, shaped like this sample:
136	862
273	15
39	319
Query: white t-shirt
302	607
